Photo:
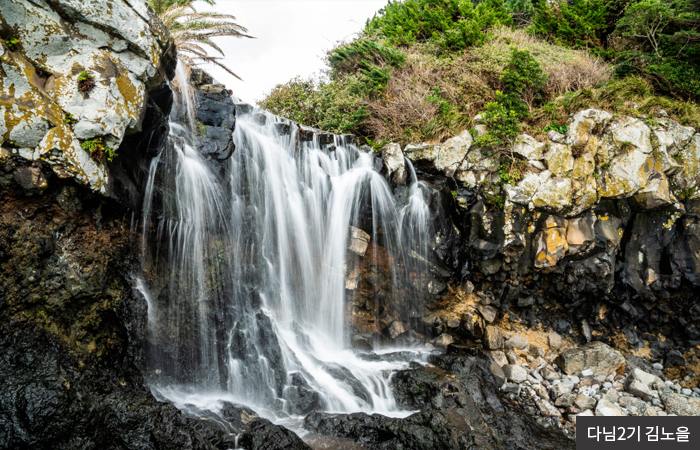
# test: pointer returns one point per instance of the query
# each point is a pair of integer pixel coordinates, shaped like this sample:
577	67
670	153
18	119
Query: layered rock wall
602	226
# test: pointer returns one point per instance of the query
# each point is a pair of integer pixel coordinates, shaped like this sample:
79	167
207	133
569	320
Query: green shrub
522	79
340	107
295	100
371	82
511	172
363	54
630	96
86	83
563	128
451	24
98	150
336	106
502	125
84	75
68	118
202	129
659	39
12	43
423	68
521	10
577	24
495	202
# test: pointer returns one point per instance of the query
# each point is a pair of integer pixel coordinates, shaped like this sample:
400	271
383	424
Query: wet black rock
344	375
420	387
305	134
325	139
361	342
460	407
475	393
129	170
215	115
49	402
301	399
215	110
269	347
237	416
72	332
441	429
264	435
283	128
218	143
31	179
562	327
675	358
243	109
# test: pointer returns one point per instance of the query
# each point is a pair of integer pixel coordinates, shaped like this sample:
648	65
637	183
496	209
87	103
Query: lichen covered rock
46	111
446	158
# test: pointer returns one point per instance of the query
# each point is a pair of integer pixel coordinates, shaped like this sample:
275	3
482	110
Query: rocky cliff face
71	323
598	239
80	71
72	326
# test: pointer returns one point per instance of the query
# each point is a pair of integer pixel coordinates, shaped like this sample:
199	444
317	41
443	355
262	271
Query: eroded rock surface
461	407
45	115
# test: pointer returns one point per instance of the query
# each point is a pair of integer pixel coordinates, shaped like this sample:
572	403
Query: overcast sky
292	37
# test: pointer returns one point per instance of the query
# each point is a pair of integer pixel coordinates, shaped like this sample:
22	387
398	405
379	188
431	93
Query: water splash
246	263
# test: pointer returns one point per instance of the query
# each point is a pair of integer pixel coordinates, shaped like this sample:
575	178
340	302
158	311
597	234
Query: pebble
512	388
568	383
555	341
559	390
590	393
541	391
517	341
515	373
533	380
605	408
584	402
549	374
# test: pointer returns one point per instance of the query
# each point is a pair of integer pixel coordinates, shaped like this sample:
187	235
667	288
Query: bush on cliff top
452	25
422	69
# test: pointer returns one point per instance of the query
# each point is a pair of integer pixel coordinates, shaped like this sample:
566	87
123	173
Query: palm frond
192	30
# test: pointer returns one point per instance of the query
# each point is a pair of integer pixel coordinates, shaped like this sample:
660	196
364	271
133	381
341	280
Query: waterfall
247	261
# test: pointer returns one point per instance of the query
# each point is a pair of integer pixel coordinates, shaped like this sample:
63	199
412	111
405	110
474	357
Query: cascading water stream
245	265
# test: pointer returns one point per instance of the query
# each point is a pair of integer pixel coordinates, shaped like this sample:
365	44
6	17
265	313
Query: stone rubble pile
592	380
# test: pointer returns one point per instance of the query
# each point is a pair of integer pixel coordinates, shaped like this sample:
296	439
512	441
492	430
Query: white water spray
245	268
